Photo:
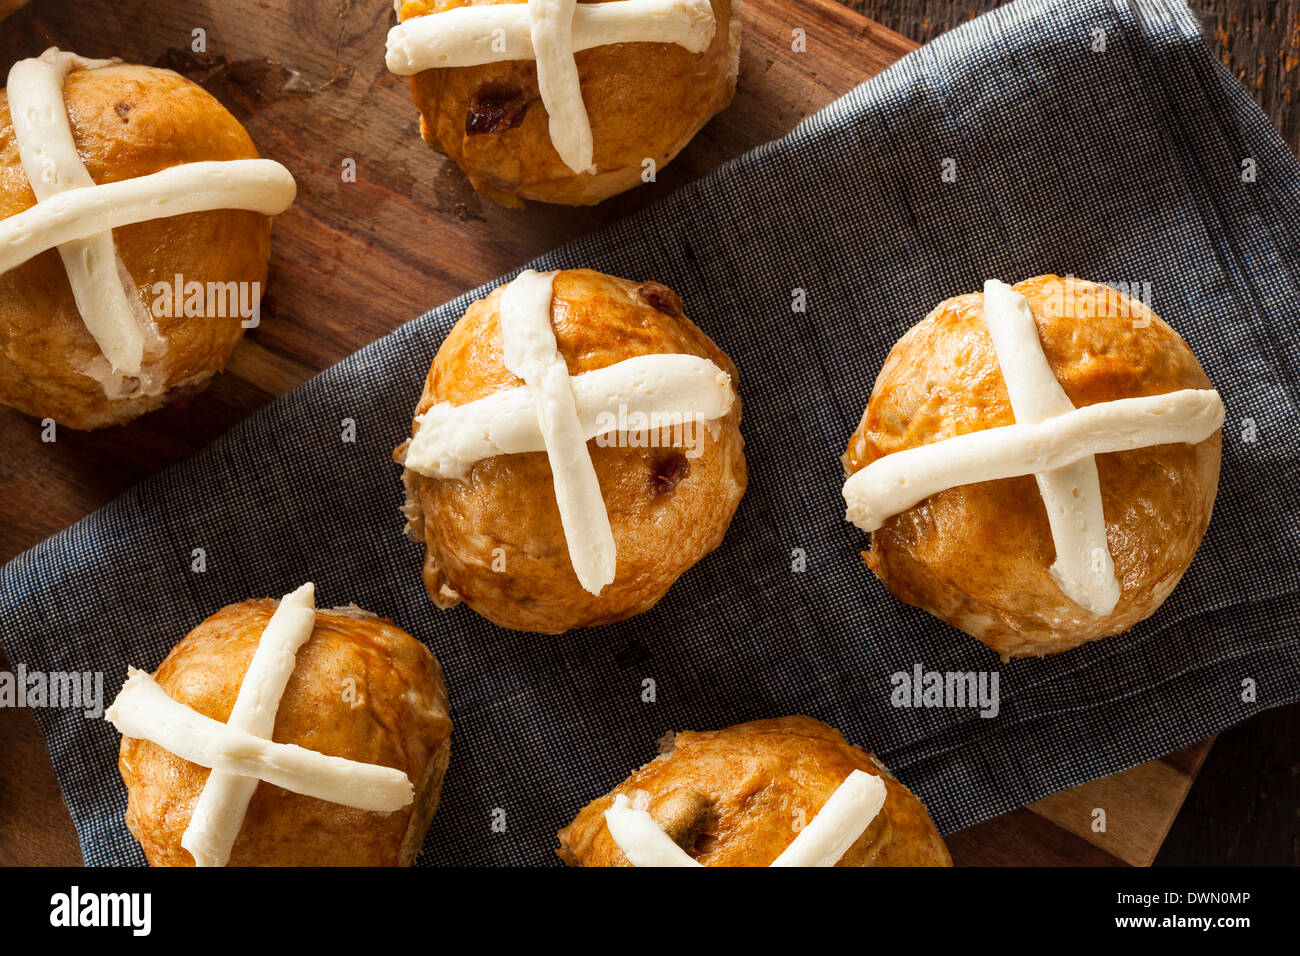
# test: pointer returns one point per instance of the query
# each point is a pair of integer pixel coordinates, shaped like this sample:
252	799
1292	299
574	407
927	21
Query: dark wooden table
1242	809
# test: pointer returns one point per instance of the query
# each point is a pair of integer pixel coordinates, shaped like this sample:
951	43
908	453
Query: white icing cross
550	32
1052	440
240	751
77	216
559	414
823	842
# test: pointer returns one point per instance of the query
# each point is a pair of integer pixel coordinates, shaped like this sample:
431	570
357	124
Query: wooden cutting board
352	260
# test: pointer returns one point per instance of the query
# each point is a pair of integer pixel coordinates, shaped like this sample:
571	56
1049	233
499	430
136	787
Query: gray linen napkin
1095	138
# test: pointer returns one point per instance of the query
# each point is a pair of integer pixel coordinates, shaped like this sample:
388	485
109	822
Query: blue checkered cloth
1095	138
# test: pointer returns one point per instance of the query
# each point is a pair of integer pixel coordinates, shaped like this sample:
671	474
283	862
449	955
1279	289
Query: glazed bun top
361	689
943	378
735	797
599	320
127	121
979	555
643	100
668	505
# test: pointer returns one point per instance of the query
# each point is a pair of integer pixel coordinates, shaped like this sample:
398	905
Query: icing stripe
558	82
838	824
219	813
473	36
1083	569
896	482
144	711
255	185
106	297
530	352
642	840
664	387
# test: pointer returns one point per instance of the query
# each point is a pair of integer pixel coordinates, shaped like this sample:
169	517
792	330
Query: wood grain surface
352	260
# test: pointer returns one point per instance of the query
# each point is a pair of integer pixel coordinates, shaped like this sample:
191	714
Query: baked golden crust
644	101
362	689
495	540
733	797
977	556
128	121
